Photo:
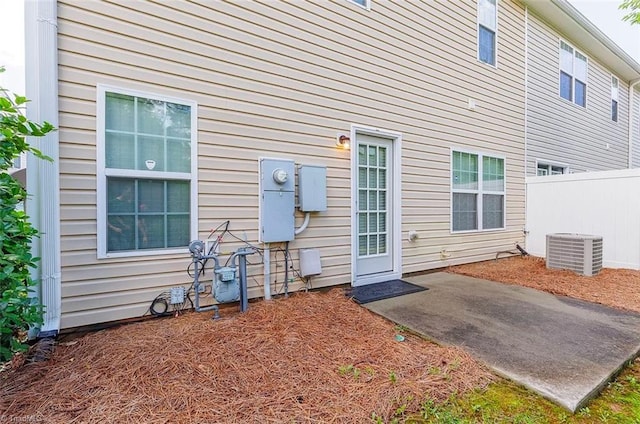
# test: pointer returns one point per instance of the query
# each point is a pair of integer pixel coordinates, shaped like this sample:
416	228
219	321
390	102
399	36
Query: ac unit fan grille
576	252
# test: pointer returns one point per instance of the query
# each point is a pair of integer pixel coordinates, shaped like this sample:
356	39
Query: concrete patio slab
564	349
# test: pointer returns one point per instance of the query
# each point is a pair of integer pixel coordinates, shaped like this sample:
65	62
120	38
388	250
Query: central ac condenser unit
580	253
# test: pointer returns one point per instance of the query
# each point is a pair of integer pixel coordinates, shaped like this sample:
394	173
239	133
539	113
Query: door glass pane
373	222
382	173
362	245
382	243
362	200
382	221
373	200
362	223
362	177
362	155
373	178
382	157
373	244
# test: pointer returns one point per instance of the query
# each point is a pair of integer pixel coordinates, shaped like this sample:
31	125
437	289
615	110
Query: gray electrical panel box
312	188
277	200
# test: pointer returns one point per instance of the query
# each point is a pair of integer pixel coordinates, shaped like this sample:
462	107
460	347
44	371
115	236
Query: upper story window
478	192
614	98
146	173
546	169
573	75
487	31
363	3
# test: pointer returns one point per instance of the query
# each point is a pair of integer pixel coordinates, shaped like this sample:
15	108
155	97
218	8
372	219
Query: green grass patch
508	403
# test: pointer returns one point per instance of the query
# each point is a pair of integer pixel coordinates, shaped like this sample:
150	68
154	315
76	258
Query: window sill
142	253
489	230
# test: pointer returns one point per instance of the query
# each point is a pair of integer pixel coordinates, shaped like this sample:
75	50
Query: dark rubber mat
384	290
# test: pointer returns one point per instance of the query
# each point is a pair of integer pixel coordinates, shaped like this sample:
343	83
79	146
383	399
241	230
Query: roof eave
567	20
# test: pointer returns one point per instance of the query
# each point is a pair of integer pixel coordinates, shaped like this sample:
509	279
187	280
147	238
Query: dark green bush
18	311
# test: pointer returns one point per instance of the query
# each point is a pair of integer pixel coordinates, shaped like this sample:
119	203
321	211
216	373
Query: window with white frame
573	75
364	3
146	172
547	169
487	30
477	191
614	98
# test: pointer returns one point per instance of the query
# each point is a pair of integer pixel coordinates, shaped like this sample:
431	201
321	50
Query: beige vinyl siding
559	131
281	79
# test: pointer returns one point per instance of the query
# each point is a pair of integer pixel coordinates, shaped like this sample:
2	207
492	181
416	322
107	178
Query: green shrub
17	309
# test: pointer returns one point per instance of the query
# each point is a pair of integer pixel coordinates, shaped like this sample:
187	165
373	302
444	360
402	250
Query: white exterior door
373	235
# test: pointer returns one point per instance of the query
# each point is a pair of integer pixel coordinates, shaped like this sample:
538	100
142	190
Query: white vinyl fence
604	203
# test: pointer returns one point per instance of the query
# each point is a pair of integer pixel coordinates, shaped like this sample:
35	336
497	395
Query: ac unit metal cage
581	253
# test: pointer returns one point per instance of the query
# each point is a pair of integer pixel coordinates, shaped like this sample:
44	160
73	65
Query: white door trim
396	207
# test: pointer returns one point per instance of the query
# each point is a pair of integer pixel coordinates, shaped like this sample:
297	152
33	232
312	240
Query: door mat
384	290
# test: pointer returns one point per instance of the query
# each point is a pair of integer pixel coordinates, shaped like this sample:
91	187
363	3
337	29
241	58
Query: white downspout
526	119
632	85
43	202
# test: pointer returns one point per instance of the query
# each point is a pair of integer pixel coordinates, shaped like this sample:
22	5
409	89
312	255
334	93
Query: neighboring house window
487	30
614	98
478	192
573	75
545	169
146	173
364	3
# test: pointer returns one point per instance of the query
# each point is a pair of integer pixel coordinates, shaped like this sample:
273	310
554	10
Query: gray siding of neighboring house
559	131
281	79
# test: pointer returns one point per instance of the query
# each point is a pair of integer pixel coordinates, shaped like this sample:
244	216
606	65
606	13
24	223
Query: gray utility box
312	188
277	200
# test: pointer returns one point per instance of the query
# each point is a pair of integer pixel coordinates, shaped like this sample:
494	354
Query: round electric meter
280	176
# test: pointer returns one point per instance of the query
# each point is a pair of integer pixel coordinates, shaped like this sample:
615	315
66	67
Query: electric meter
280	176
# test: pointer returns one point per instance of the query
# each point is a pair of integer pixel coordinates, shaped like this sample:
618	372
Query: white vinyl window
487	31
146	173
547	169
614	98
573	75
477	192
362	3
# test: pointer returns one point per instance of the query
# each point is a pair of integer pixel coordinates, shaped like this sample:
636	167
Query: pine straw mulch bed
314	357
618	288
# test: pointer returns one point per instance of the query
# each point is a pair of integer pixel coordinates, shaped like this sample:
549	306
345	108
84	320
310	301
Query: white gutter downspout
526	118
632	85
43	202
